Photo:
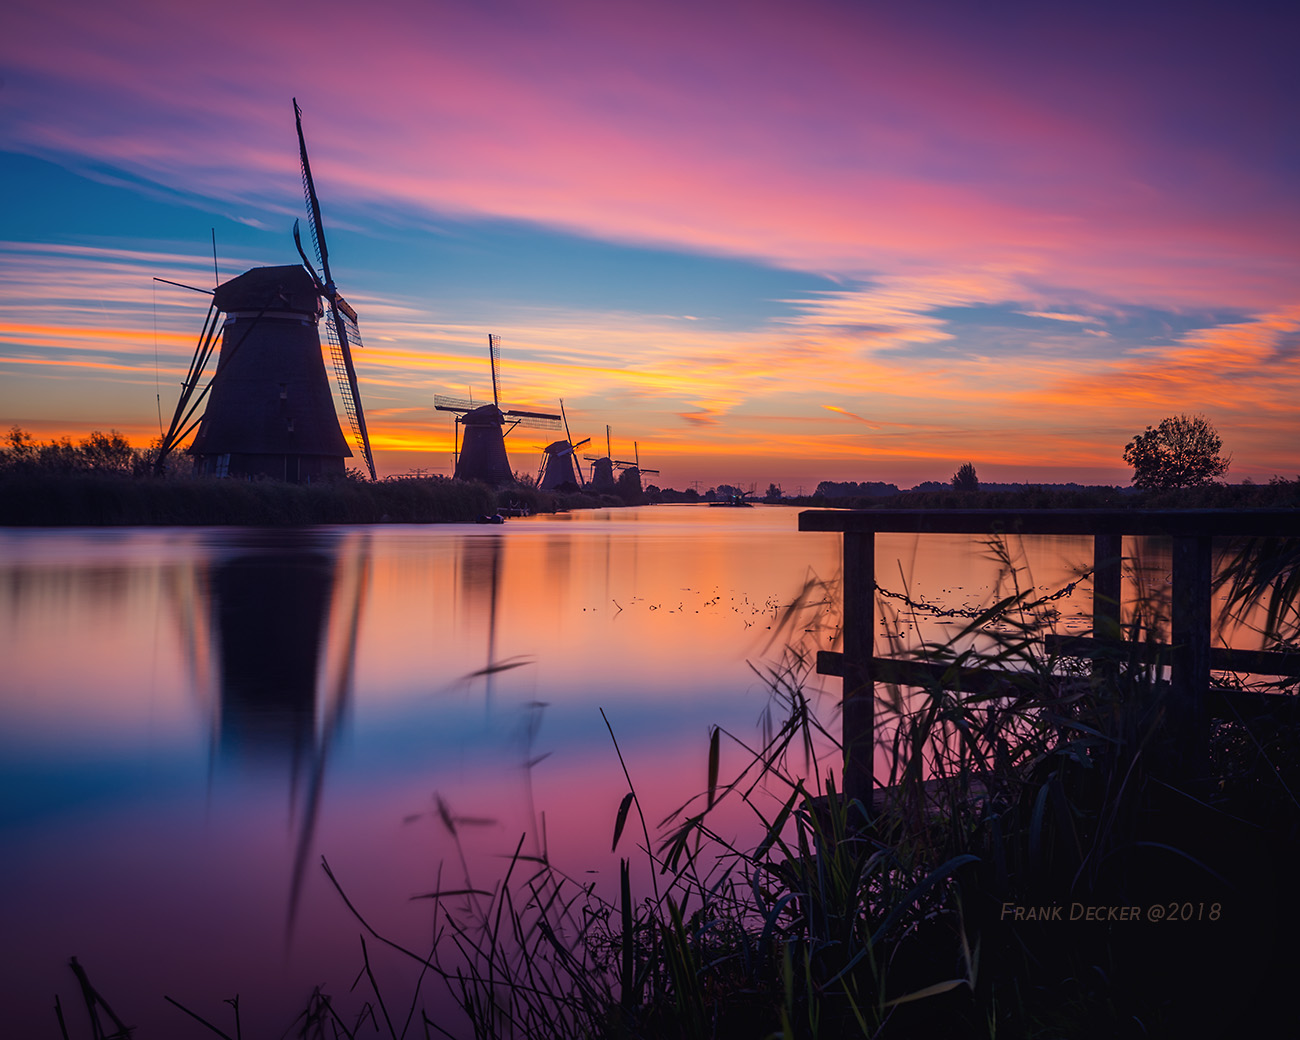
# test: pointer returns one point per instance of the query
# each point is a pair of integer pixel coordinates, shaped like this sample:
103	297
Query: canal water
192	720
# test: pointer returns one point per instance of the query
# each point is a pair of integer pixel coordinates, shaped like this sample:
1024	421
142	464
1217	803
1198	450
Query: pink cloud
946	163
837	139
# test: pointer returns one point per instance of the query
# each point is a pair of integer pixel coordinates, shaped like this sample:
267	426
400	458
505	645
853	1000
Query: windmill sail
341	329
494	357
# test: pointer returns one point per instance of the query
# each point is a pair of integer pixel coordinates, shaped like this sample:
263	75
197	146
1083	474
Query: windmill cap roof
272	289
484	414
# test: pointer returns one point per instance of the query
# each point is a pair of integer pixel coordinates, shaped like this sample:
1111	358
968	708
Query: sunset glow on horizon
765	242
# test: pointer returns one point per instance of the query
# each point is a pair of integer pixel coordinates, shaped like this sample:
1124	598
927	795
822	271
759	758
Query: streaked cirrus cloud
1012	235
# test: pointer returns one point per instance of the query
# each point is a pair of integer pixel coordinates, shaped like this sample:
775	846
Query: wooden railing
1191	657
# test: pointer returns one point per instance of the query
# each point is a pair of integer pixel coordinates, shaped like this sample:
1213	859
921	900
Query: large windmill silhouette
269	410
481	454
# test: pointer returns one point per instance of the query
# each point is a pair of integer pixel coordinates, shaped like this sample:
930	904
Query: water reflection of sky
190	719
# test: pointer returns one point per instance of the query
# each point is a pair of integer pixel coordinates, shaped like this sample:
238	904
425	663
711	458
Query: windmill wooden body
481	453
269	410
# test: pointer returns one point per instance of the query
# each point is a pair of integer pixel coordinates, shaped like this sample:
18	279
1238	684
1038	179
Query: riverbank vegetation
95	499
103	481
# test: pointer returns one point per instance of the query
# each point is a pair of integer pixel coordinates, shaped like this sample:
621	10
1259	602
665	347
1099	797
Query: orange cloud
919	165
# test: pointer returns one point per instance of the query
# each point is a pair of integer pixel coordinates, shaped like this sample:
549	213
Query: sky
765	242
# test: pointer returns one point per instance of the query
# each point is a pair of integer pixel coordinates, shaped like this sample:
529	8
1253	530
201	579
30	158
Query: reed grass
1059	788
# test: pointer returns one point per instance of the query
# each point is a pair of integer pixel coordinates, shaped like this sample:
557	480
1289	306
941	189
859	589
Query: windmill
482	454
270	411
631	471
602	470
560	463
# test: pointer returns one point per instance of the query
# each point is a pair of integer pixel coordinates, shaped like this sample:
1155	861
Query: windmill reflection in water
272	640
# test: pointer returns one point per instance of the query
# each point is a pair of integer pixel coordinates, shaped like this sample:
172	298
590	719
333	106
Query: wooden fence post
859	697
1107	586
1189	673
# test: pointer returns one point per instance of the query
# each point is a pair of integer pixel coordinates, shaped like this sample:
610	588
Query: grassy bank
97	499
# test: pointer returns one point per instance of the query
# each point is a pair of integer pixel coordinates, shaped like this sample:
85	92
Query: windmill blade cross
313	205
337	331
443	403
565	419
297	241
341	329
351	315
535	415
494	359
534	420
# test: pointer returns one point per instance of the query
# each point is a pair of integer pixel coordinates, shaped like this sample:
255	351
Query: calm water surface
191	719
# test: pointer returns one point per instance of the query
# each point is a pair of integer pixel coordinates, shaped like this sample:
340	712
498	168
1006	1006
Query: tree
965	479
773	493
22	448
1183	451
629	487
111	452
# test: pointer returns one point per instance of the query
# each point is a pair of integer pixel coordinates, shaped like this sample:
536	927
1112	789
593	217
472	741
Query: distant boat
735	501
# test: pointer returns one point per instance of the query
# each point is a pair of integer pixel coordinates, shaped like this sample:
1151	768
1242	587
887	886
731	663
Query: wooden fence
1191	657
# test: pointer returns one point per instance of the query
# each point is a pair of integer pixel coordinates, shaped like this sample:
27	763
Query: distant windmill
602	469
482	454
270	411
560	463
631	471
